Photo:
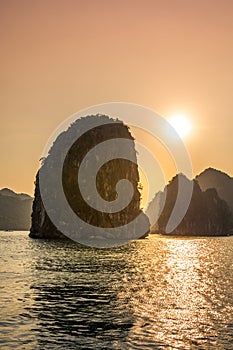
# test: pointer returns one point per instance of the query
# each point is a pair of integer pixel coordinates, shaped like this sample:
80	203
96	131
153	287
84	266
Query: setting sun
181	124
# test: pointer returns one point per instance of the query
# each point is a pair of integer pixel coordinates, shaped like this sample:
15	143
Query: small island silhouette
15	210
207	214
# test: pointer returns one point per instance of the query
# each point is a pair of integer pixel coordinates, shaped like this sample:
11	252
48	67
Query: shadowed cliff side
207	215
105	180
222	182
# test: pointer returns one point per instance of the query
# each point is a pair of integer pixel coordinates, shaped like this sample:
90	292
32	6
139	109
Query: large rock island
106	179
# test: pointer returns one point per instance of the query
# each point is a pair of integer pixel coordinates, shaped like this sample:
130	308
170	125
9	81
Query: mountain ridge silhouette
15	210
208	214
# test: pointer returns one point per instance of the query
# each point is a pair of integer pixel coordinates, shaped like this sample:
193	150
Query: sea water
157	293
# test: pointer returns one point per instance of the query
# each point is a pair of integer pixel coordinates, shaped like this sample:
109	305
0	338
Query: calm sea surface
157	293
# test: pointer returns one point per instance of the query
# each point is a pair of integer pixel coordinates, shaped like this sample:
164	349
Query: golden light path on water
157	293
181	301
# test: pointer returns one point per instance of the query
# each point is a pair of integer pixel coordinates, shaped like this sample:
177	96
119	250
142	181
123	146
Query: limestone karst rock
207	215
222	182
106	179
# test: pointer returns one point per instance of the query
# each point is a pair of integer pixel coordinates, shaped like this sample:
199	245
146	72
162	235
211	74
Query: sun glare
181	124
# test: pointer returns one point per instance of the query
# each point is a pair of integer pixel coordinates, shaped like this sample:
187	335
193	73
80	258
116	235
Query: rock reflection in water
80	307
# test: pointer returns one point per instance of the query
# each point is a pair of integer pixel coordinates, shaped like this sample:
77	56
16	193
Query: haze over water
150	294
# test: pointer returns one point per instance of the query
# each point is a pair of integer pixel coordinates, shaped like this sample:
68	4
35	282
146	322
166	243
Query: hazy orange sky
59	56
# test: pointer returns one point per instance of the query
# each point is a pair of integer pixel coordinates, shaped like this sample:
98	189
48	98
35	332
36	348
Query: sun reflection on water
173	296
151	294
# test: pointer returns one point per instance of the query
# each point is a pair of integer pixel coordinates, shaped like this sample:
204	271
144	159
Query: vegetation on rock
106	178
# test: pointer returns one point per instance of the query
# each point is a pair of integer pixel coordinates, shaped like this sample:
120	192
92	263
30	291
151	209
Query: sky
59	56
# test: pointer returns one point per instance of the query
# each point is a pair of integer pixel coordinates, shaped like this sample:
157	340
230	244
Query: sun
181	124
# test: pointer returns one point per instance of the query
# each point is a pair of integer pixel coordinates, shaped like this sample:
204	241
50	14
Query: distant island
223	183
208	213
15	210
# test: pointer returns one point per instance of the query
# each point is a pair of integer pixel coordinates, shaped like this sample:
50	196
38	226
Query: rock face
207	215
223	183
106	179
15	210
41	225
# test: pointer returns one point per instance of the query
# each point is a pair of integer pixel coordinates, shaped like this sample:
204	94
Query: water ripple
158	293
